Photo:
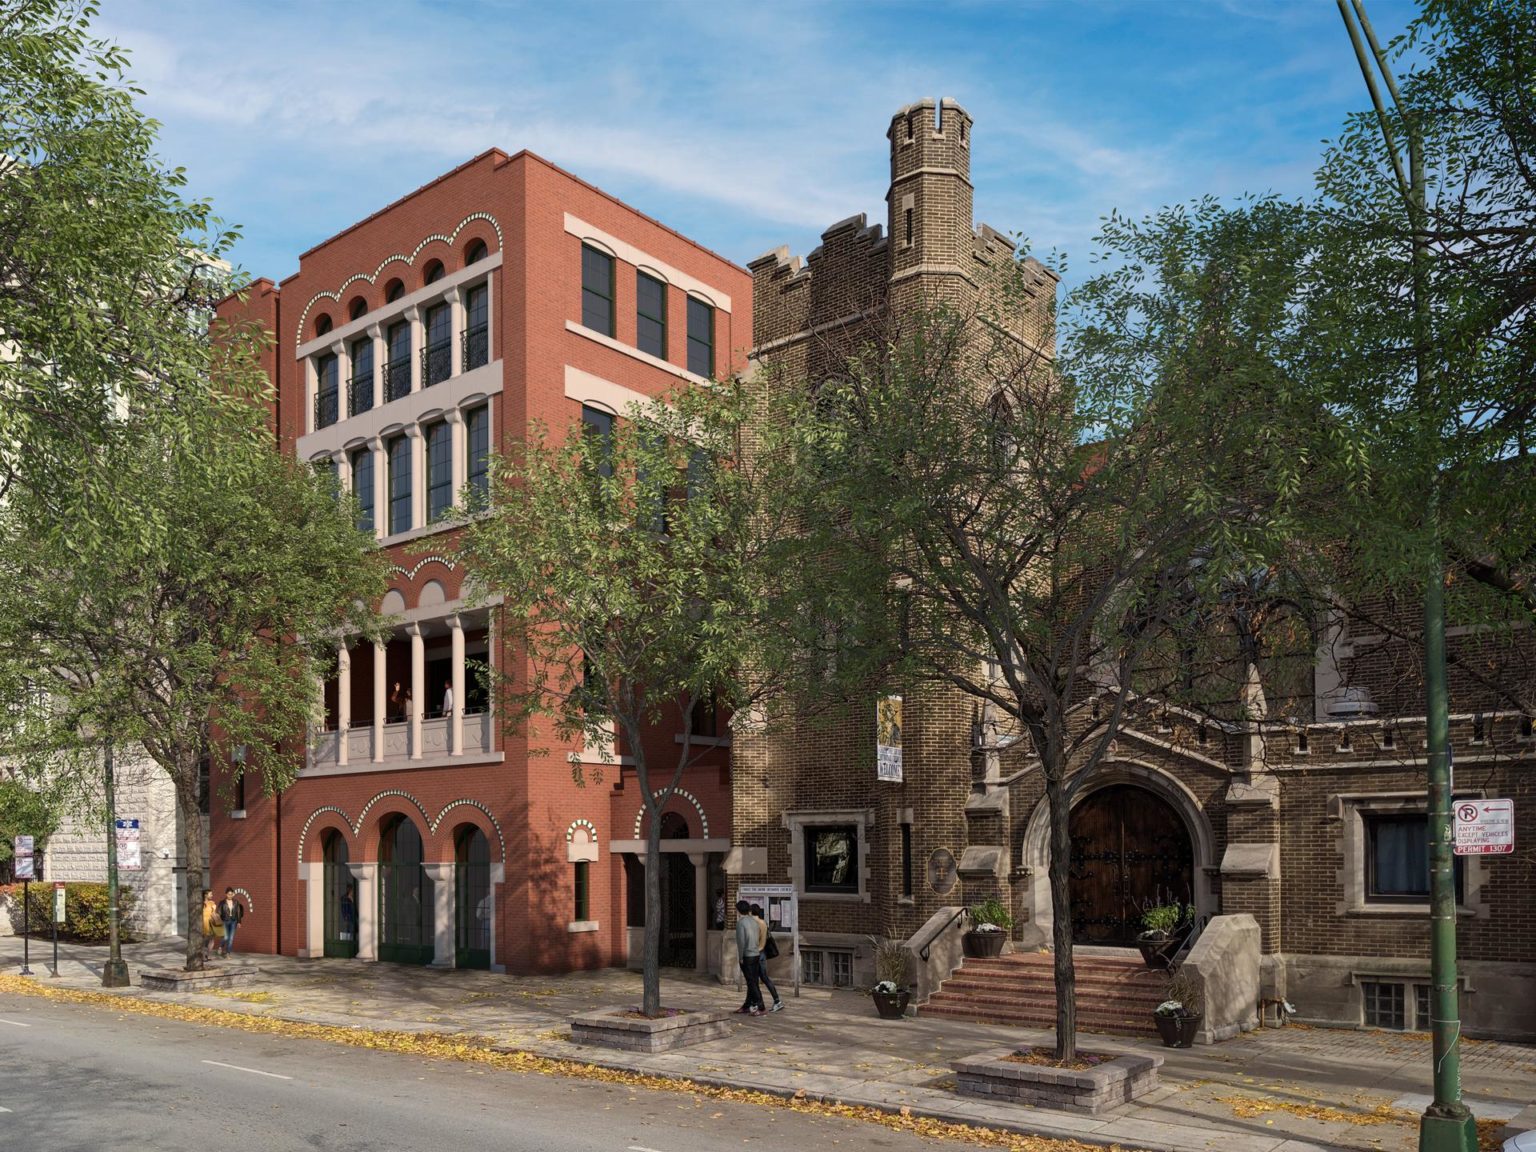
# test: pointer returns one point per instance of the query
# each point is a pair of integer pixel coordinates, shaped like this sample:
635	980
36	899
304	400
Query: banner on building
888	739
128	856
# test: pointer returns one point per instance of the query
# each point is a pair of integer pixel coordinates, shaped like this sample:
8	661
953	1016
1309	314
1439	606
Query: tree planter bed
1092	1090
626	1029
177	980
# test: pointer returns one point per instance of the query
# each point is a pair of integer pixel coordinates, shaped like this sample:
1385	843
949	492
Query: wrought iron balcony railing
325	408
436	363
397	379
477	346
359	394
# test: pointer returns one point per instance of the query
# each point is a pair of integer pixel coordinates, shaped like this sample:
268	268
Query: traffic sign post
22	849
1485	827
58	918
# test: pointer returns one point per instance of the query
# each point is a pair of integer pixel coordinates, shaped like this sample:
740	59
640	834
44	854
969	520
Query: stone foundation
176	980
1092	1090
613	1028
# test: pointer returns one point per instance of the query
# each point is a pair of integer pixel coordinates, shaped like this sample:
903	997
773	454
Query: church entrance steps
1114	994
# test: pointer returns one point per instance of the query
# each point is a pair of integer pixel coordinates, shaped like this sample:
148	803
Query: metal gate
340	911
405	898
678	937
472	900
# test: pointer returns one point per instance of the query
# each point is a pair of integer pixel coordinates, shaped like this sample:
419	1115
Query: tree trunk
191	814
651	971
1061	911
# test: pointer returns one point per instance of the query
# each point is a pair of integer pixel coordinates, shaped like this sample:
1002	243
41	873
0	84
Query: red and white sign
1484	827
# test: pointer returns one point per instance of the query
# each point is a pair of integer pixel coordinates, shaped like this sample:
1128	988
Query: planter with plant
1178	1017
990	922
1164	928
890	993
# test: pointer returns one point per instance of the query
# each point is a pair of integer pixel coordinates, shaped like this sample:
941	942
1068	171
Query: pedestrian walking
747	951
212	926
767	949
231	911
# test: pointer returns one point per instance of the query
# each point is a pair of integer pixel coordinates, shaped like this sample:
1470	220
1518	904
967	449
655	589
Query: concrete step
1114	995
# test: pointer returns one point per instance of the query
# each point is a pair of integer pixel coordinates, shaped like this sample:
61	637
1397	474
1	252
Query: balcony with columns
413	701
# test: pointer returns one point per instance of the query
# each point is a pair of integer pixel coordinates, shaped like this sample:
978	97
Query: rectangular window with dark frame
360	387
1384	1005
437	356
362	488
477	440
598	426
650	315
596	290
397	370
439	438
706	717
906	860
327	408
238	802
583	907
477	331
399	452
1397	858
832	858
701	338
634	891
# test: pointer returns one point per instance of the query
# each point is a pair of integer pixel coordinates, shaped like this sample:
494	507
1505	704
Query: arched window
473	904
357	307
395	290
434	272
673	826
476	252
322	324
340	911
405	895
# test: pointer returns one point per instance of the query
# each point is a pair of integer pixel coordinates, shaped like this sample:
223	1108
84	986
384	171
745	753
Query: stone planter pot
1178	1031
982	945
891	1005
993	1077
623	1028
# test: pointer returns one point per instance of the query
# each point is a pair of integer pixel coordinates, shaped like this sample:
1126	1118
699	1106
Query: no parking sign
1485	827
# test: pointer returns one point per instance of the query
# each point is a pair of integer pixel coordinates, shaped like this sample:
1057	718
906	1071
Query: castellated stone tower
929	201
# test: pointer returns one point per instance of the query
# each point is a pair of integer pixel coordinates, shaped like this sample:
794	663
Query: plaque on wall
942	872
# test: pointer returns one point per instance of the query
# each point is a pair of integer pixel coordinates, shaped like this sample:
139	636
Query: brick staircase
1114	994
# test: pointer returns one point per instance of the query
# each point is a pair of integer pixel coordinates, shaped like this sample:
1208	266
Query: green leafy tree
198	619
107	273
630	569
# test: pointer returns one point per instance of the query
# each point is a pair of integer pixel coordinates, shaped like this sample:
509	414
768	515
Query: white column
343	379
312	877
490	318
418	685
418	475
376	338
311	390
456	721
442	877
379	702
700	861
380	488
454	298
366	877
418	342
456	448
343	471
343	702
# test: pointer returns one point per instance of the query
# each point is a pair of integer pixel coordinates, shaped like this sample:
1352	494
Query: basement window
1384	1005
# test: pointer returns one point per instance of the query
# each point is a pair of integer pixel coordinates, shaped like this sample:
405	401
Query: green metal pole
1447	1125
114	974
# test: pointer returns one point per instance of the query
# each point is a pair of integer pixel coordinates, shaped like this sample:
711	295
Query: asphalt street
87	1078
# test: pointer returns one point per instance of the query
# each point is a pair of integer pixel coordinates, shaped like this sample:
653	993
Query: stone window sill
1406	911
576	926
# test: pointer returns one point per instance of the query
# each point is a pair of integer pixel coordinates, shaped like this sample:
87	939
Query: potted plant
1178	1017
990	922
1164	927
890	994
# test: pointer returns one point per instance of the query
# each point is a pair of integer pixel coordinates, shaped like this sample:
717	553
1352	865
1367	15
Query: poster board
888	765
781	909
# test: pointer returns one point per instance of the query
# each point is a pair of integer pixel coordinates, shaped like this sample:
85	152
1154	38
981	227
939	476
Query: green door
340	900
472	899
405	896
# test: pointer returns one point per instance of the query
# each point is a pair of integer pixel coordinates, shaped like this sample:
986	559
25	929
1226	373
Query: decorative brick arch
678	794
354	828
410	573
501	840
344	822
384	797
408	260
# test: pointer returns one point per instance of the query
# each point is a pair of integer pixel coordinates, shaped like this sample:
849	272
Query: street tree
194	614
1030	533
628	560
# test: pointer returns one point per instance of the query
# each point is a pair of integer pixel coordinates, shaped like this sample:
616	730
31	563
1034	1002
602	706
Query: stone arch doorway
405	894
341	919
1131	849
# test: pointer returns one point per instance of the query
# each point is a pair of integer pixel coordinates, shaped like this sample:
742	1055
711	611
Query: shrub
890	962
87	912
991	911
1166	918
1182	996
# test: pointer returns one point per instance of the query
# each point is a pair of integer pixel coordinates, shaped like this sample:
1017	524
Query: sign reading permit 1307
1484	827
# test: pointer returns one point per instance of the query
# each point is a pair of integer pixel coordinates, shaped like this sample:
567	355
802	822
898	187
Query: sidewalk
1287	1090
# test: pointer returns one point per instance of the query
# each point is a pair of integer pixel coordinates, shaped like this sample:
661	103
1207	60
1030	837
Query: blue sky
744	125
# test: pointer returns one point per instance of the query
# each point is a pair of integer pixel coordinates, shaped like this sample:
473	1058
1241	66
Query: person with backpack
232	912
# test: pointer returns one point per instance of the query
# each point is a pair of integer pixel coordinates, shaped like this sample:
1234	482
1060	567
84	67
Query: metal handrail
477	346
1196	927
397	379
326	408
927	944
436	363
360	388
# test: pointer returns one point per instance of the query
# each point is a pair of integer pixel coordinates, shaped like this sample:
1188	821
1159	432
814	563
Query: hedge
86	911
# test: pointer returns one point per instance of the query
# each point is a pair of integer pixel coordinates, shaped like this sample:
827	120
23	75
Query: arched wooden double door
1130	850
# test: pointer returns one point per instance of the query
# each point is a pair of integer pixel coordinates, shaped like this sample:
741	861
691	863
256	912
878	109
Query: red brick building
407	349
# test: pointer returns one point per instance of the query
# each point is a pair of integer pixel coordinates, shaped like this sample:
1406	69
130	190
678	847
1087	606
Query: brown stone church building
1301	841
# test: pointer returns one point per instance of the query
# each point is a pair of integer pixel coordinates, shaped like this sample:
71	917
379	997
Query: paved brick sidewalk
1274	1091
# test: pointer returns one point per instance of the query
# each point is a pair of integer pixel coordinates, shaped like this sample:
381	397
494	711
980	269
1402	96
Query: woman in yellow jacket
213	925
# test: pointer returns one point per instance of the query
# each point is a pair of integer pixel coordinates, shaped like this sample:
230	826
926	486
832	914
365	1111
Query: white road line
15	1023
4	1109
253	1071
641	1148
